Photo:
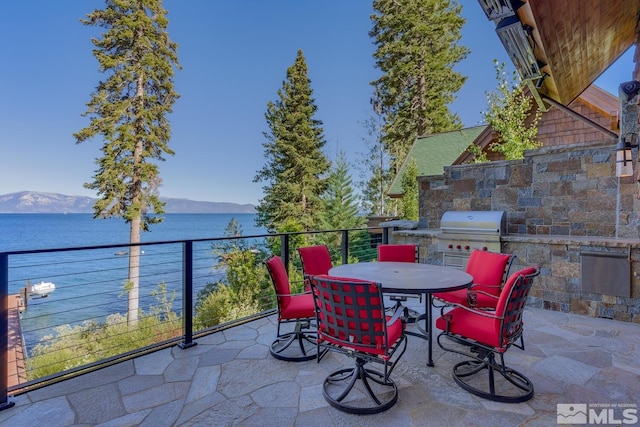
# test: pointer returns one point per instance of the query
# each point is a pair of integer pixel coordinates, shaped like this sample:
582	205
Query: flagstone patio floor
230	379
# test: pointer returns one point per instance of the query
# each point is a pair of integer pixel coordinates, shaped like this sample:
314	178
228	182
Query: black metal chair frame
335	298
483	356
304	331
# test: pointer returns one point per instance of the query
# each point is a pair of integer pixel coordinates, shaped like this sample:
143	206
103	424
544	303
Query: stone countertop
610	242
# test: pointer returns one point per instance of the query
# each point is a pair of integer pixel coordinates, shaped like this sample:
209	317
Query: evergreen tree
417	48
341	212
296	168
129	109
340	203
410	191
511	116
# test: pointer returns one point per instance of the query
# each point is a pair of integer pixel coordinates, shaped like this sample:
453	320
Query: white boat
42	289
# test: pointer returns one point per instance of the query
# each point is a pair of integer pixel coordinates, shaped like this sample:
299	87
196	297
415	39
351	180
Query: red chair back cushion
280	280
315	260
397	253
487	268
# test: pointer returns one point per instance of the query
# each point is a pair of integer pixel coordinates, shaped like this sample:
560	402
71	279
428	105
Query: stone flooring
229	379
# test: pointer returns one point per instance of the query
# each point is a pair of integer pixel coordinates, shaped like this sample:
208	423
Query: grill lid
474	222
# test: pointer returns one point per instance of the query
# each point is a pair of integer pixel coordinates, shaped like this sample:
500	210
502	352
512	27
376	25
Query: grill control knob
466	248
484	248
450	246
458	247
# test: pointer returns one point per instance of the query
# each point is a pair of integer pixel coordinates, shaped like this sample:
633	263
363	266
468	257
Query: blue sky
234	55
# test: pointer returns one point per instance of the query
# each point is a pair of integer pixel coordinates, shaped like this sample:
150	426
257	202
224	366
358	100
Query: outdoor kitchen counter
610	242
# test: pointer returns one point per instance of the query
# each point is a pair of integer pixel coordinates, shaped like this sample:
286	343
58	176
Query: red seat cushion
456	297
300	306
471	325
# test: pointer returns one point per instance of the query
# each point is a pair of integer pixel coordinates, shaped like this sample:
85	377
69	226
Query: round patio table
409	278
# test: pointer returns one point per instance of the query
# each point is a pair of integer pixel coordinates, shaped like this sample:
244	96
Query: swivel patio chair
315	260
352	321
489	271
401	253
485	334
292	308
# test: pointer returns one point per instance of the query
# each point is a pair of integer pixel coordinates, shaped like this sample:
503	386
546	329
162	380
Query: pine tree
417	48
339	201
296	168
129	110
340	211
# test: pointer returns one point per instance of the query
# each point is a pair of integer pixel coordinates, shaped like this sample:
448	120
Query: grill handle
472	230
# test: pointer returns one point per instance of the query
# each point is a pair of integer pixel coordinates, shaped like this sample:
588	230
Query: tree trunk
133	300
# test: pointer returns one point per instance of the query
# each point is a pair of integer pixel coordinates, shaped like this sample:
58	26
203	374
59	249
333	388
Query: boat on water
42	289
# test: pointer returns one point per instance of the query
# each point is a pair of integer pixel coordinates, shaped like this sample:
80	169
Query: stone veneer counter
610	242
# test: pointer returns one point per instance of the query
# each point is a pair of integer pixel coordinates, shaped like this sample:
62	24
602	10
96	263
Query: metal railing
82	325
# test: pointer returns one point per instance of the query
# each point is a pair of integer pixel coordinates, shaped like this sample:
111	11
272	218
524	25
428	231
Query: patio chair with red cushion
401	252
315	260
481	335
489	271
352	321
297	309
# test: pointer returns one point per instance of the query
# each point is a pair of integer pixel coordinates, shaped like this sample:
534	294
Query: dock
16	371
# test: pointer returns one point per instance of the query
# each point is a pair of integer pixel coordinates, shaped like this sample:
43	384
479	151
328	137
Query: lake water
89	283
46	231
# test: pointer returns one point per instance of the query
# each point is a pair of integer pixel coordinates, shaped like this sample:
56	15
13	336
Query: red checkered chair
400	253
489	271
292	308
315	260
352	321
486	334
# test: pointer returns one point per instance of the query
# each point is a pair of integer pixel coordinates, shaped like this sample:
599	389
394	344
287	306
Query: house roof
434	152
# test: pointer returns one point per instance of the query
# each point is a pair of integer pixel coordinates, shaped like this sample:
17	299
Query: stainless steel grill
463	231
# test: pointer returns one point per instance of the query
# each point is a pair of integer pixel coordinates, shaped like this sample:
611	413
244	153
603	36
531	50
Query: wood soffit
578	40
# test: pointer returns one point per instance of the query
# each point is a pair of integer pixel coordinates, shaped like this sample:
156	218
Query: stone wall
567	190
560	202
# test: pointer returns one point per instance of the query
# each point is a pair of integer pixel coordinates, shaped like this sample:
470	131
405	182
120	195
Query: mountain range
35	202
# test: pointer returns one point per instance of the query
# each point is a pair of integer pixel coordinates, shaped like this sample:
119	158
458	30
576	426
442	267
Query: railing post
4	332
385	235
345	246
284	250
187	295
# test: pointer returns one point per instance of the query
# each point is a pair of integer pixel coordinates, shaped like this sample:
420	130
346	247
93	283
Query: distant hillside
34	202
